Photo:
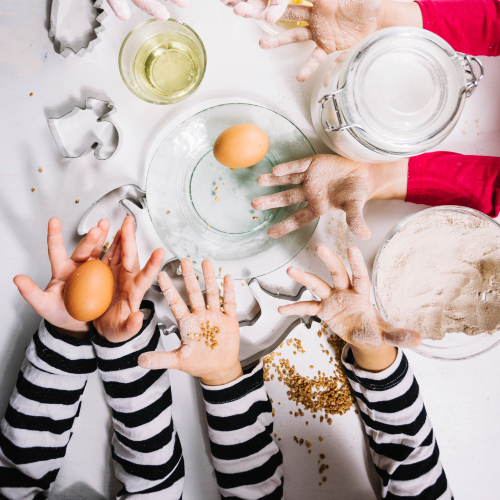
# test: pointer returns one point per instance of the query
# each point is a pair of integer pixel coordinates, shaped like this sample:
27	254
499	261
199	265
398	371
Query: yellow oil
286	24
168	66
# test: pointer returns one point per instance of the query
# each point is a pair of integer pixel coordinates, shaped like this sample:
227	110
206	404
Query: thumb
133	324
30	291
158	360
356	221
400	337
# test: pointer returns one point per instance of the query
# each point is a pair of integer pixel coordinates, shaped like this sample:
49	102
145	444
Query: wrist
397	13
389	181
374	359
223	378
81	332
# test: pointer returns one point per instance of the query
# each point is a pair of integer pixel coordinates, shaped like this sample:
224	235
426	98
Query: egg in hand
89	291
241	146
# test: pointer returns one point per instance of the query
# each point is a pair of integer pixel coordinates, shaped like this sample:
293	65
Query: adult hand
123	320
347	309
210	336
269	11
329	182
152	7
333	24
50	303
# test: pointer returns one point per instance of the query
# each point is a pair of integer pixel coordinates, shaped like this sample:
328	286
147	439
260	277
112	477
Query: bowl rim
125	40
402	223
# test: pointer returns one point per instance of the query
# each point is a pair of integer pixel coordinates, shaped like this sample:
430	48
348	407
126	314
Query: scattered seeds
31	94
40	169
168	211
32	189
77	201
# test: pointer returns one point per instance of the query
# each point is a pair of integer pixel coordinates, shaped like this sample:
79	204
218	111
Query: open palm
50	303
333	24
209	335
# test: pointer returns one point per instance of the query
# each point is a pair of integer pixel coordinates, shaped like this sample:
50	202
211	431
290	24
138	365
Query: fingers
192	286
103	225
356	221
120	8
180	3
294	35
282	180
299	219
360	279
229	297
211	285
147	274
55	244
283	199
315	284
85	248
129	255
251	9
293	167
159	360
153	8
400	337
340	278
30	292
177	305
309	308
276	10
297	13
108	256
316	58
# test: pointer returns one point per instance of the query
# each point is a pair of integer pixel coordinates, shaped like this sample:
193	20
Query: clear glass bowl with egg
455	345
202	209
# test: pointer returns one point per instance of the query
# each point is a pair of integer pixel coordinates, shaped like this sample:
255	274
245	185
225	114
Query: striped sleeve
248	463
41	413
402	442
146	448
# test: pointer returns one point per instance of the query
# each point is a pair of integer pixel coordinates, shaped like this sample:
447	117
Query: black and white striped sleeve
146	448
42	410
402	442
248	463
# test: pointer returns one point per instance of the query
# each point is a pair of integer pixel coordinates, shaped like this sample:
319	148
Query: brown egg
89	290
241	146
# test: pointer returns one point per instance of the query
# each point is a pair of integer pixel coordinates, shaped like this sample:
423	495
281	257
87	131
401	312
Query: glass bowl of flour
438	272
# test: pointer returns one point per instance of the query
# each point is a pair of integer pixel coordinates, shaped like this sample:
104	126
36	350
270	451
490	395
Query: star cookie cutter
62	47
92	137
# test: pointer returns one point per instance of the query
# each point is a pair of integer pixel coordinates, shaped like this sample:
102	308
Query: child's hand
50	303
333	25
258	8
123	319
347	309
151	7
329	182
210	337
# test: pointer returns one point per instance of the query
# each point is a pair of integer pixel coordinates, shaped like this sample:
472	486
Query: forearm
389	180
146	447
41	413
400	14
400	434
248	463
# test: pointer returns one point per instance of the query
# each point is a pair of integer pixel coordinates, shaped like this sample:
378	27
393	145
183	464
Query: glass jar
162	62
397	93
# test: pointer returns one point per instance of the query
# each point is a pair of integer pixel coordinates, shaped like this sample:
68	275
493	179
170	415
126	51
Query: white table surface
462	398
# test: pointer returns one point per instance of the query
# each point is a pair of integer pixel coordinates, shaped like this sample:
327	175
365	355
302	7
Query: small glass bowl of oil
162	62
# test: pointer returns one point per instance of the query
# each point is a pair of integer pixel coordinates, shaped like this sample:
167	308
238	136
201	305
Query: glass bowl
454	346
202	209
151	47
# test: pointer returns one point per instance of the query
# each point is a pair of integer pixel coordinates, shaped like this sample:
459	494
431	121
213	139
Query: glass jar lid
403	90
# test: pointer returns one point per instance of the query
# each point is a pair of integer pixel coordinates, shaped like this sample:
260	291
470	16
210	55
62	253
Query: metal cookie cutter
91	138
60	46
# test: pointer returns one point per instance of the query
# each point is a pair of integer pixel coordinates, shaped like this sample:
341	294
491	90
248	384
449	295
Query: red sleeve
452	179
469	26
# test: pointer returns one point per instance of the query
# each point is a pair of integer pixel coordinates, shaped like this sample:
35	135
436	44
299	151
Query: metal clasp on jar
472	78
342	126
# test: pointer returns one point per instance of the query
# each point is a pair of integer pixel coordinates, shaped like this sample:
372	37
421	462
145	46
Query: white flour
441	274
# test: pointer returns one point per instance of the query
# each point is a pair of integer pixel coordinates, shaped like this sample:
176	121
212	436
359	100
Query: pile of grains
441	274
328	393
208	333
